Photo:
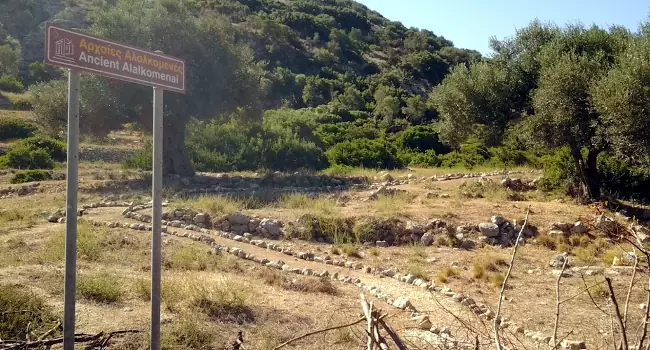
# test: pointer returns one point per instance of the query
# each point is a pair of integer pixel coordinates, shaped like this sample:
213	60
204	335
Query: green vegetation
36	152
22	312
30	176
332	85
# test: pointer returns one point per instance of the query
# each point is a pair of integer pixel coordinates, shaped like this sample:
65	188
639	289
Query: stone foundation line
402	303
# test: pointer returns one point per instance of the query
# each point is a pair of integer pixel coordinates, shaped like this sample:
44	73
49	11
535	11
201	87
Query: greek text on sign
86	53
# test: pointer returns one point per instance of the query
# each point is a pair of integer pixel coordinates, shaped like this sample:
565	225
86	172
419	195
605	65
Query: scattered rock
423	322
427	239
402	303
579	228
498	220
558	260
489	229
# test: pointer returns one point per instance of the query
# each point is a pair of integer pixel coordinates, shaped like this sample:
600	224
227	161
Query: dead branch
319	331
629	288
49	332
78	338
617	313
644	325
505	282
557	303
391	333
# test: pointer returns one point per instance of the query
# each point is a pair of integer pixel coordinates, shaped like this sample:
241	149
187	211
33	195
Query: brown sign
90	54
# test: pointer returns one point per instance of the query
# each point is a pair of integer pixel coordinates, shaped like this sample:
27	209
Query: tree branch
617	313
319	331
644	332
505	282
557	303
629	289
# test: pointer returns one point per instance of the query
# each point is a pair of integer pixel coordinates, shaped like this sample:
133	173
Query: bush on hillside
469	155
12	129
21	104
55	148
623	180
373	154
11	83
560	172
31	176
141	159
23	157
421	138
427	159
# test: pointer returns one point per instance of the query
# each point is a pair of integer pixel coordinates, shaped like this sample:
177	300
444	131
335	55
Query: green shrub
426	159
102	288
624	179
421	138
23	157
31	176
55	148
21	310
469	155
560	172
12	129
21	104
10	83
373	154
141	159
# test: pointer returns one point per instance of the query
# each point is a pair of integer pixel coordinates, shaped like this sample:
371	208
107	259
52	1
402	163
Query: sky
470	23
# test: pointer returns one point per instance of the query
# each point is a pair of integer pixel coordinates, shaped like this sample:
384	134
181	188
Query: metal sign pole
72	180
156	231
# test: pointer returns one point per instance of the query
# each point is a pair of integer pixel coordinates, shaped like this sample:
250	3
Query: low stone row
479	309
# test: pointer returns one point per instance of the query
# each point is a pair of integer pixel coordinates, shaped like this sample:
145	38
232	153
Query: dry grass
446	273
317	205
396	205
101	288
303	285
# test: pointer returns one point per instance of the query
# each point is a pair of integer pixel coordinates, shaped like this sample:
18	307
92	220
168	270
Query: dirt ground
209	298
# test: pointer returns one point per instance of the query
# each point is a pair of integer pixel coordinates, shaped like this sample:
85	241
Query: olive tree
221	74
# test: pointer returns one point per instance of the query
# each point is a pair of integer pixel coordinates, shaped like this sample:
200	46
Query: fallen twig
79	338
319	331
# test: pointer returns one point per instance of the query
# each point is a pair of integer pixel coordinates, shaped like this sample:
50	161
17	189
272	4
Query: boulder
273	227
402	303
200	218
498	220
385	177
238	219
427	239
578	228
489	229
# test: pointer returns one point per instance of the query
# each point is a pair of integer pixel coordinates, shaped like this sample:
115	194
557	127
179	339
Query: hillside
337	41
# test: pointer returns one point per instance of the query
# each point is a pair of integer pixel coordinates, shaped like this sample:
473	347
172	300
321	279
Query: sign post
84	53
156	229
72	183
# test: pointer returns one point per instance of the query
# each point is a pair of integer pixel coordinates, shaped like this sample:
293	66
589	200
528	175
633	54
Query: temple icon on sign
64	50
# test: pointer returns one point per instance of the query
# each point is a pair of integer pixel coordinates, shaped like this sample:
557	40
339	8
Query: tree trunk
592	173
176	159
588	173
